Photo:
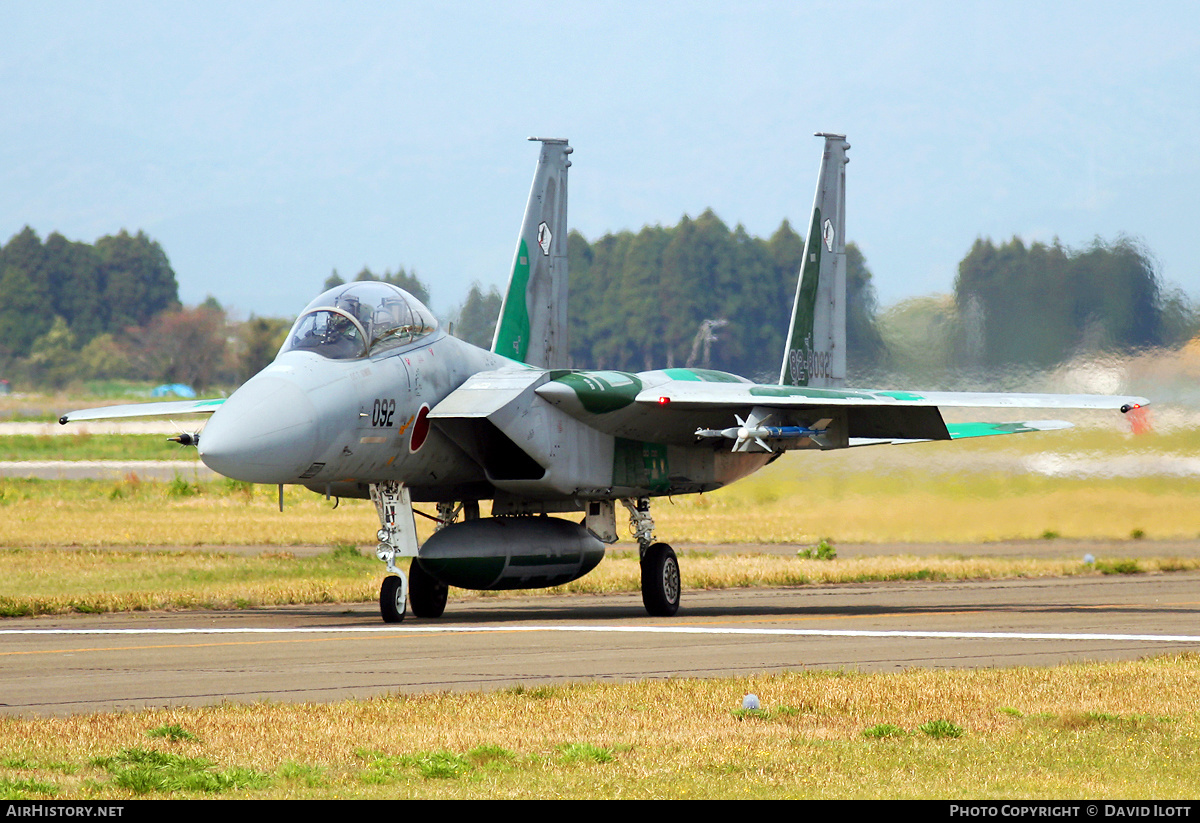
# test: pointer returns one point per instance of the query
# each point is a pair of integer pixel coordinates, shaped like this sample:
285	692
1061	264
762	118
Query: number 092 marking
382	412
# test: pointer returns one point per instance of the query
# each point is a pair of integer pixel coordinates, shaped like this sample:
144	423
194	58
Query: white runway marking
1151	638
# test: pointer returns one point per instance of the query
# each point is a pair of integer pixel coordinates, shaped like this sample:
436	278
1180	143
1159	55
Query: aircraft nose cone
264	433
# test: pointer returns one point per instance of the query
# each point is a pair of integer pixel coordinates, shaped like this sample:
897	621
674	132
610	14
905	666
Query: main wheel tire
391	599
660	580
426	593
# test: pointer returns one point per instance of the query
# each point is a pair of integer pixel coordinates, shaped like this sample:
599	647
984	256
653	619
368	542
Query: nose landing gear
397	538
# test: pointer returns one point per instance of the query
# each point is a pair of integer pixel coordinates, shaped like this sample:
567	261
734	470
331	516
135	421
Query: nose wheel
393	596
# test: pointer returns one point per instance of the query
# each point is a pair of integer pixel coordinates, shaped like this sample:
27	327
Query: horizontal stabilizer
961	431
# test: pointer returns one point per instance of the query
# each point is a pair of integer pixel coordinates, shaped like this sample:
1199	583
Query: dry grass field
1120	730
1123	730
1083	483
1100	485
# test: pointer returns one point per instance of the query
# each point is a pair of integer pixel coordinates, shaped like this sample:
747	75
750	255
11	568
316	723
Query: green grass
940	728
881	731
172	731
824	550
84	446
148	771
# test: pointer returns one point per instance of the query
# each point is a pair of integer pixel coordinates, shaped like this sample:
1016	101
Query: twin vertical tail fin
532	327
815	354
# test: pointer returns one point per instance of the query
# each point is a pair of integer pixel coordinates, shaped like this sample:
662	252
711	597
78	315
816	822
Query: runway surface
322	653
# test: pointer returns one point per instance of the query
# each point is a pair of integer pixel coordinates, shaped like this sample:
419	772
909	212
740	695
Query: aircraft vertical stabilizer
815	354
532	327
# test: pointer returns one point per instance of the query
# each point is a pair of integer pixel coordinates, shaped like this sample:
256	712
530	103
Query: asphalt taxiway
58	666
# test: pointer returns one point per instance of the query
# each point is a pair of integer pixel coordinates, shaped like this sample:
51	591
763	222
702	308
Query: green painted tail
815	354
532	327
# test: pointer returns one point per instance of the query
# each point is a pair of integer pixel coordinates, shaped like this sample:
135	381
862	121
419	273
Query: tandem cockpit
358	320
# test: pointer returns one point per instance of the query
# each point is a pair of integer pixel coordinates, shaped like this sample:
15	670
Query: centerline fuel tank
511	553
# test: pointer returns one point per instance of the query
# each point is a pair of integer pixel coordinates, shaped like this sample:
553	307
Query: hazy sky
265	144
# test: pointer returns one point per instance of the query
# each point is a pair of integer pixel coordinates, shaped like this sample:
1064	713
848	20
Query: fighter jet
370	397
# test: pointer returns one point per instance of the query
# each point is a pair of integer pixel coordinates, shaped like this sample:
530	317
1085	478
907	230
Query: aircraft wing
688	394
682	406
780	416
166	408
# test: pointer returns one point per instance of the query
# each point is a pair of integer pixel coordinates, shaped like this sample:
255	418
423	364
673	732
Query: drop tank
511	553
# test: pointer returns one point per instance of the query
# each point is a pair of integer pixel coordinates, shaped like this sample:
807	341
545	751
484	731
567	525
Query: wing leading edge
168	408
702	394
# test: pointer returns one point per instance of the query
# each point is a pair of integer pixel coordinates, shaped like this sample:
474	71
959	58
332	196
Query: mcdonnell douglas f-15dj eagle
370	397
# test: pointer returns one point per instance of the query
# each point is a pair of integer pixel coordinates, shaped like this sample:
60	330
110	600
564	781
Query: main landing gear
427	595
660	567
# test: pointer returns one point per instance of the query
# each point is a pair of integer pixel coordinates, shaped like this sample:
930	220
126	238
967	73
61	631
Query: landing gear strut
660	567
397	538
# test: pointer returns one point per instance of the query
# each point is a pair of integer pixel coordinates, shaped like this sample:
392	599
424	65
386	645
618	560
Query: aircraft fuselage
312	420
337	426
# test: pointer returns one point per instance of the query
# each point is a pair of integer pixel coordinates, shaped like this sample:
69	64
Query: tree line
649	299
695	294
71	310
1039	304
110	310
119	281
641	300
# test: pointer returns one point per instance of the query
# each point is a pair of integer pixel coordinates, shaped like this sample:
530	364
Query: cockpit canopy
358	319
